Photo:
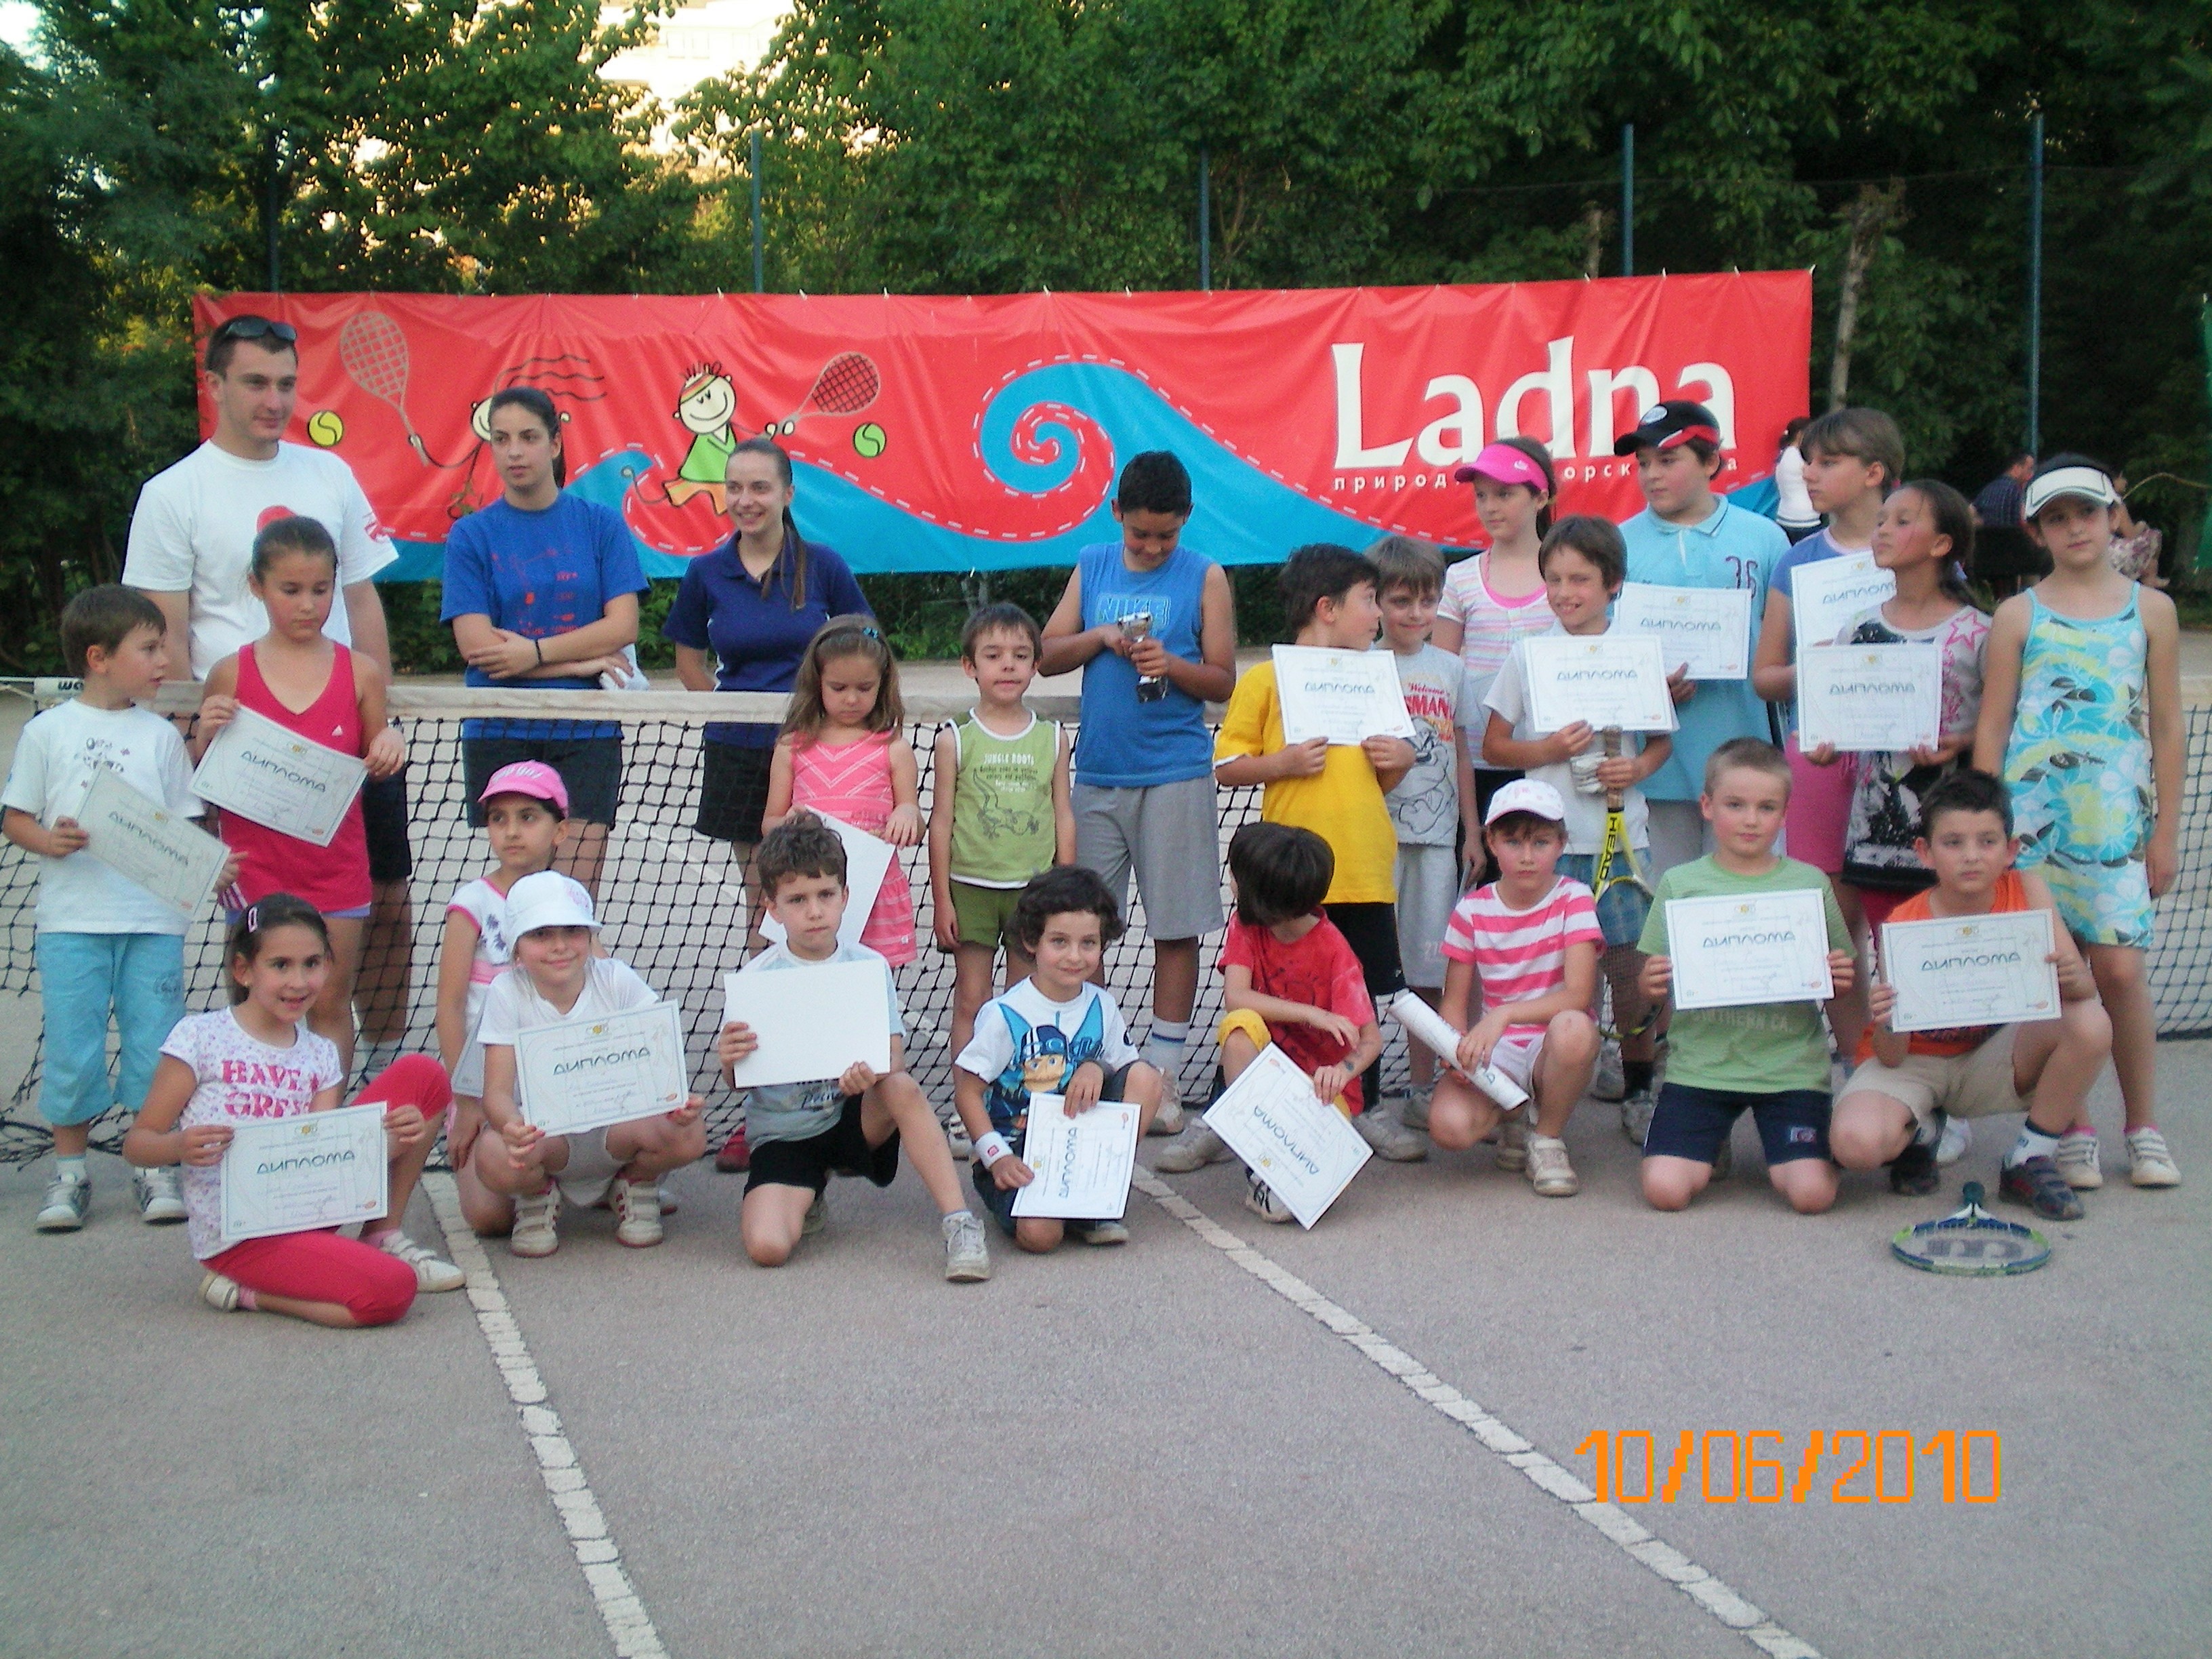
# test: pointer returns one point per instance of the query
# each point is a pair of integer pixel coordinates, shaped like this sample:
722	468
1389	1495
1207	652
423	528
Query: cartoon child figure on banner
705	406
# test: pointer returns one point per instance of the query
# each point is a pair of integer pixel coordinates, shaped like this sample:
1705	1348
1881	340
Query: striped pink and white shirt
1491	623
1522	954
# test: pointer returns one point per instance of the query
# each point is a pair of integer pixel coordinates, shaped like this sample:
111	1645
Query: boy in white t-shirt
555	977
104	943
1585	563
1054	1033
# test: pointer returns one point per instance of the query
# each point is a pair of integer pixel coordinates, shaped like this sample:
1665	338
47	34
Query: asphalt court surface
1154	1449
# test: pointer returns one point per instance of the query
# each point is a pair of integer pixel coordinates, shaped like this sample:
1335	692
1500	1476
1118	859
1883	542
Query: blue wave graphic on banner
1240	515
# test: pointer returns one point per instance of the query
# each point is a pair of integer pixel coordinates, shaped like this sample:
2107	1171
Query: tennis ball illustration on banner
325	427
868	440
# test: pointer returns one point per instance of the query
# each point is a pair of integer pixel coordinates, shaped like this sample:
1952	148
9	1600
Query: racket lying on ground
847	384
1618	865
1971	1243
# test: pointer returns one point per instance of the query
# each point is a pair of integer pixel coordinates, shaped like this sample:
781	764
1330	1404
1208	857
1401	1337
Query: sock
1164	1047
2033	1143
72	1169
377	1230
247	1300
1636	1074
2089	1129
950	1217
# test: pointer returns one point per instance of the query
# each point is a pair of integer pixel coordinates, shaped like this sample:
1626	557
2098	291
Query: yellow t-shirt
1343	805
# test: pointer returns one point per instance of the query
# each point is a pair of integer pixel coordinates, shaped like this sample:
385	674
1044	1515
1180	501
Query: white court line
1640	1545
628	1624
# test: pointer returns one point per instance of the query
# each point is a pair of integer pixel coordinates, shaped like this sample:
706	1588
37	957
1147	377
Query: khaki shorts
1976	1085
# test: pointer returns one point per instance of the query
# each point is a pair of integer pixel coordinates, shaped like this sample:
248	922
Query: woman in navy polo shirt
541	589
741	622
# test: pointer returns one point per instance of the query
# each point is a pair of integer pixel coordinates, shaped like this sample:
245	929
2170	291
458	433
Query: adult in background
541	590
190	551
741	622
1999	504
1793	504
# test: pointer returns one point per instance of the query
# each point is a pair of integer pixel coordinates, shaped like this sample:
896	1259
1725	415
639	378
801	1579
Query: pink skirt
1820	812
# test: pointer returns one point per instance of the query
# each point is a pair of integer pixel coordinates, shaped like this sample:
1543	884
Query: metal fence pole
1628	199
1205	222
2035	284
759	270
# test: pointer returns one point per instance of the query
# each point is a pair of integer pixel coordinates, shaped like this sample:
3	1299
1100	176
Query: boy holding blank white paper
1894	1108
555	979
1053	1033
848	1122
1756	1047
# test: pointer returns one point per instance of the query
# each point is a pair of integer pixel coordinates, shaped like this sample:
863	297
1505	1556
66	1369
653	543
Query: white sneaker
1392	1140
2149	1162
432	1272
1549	1172
1636	1112
1099	1232
967	1256
1414	1110
161	1195
218	1293
68	1202
1193	1149
818	1215
1261	1199
1609	1082
637	1213
2077	1161
1958	1135
537	1223
956	1137
1513	1144
1169	1119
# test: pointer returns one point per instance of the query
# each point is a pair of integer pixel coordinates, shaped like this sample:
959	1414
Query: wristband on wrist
992	1147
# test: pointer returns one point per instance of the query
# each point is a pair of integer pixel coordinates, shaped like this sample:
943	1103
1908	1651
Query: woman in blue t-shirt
741	622
541	588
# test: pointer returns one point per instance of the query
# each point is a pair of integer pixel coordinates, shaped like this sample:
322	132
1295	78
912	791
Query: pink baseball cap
1504	464
532	778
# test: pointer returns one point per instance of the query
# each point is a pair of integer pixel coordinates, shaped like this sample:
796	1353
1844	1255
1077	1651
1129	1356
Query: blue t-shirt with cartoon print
1025	1044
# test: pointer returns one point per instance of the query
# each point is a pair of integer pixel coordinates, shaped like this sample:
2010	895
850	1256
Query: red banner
986	433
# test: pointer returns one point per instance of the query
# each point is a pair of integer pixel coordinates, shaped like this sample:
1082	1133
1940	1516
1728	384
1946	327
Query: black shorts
1000	1201
1692	1122
1371	931
841	1149
591	767
733	791
384	815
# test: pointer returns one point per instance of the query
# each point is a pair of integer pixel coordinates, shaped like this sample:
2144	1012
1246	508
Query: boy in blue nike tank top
1152	627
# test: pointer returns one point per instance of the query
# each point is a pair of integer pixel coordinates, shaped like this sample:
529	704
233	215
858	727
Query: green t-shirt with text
1767	1048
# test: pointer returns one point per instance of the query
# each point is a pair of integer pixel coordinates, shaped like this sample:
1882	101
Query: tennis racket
1618	865
847	384
1971	1241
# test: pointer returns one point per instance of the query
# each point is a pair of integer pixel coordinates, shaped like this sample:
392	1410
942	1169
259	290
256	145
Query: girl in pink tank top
844	753
310	684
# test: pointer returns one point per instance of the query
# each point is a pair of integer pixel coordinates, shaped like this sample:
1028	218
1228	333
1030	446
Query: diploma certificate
170	857
812	1022
1345	696
580	1074
1299	1144
1826	595
1424	1025
289	1174
1704	629
1082	1163
1605	679
867	861
259	771
1971	971
1871	698
1732	951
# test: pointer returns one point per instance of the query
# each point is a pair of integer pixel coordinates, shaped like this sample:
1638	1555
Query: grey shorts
1170	835
1428	888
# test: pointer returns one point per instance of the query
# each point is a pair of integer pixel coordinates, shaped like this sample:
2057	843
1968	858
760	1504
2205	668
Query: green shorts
986	914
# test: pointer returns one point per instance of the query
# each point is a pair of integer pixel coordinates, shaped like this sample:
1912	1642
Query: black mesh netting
673	905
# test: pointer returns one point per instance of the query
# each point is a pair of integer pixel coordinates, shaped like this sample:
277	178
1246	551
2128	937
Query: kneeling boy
851	1124
1895	1106
1054	1033
555	977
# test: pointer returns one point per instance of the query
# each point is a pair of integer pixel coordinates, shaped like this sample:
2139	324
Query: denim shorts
1692	1122
81	977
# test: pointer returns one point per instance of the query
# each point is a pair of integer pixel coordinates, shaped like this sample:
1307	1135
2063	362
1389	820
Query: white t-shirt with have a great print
56	759
193	529
1424	806
483	903
241	1077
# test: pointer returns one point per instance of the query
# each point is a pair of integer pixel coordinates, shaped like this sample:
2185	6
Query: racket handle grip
1613	797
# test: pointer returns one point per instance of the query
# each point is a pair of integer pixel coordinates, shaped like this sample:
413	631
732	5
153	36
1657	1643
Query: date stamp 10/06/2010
1756	1466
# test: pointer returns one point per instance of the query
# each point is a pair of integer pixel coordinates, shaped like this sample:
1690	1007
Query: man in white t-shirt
191	546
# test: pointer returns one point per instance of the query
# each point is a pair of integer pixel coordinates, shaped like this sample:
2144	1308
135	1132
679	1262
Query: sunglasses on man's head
254	328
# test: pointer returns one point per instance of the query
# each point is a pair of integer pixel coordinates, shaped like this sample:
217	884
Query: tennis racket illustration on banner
374	353
847	384
1618	865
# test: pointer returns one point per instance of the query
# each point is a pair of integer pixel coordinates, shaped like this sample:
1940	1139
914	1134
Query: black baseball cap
1664	425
